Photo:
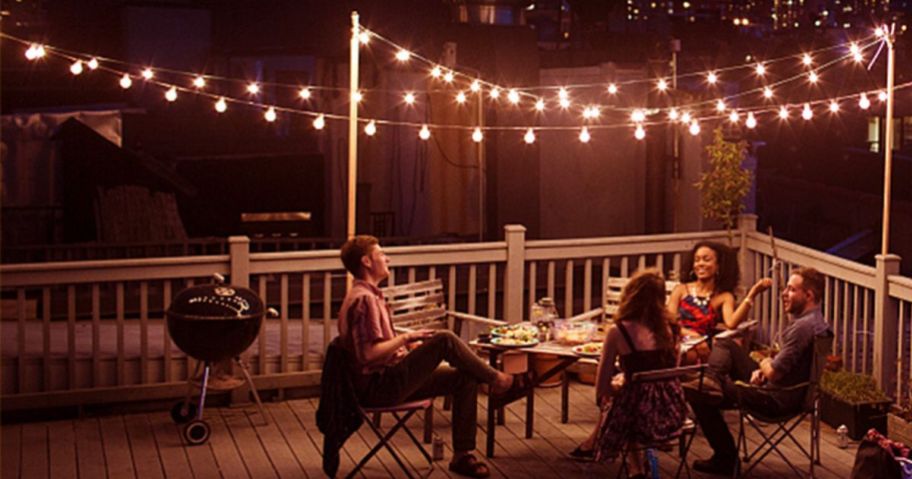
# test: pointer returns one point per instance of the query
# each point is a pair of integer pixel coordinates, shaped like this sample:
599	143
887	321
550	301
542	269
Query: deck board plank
10	450
146	457
34	450
226	453
173	455
118	459
90	454
283	459
303	444
62	448
247	441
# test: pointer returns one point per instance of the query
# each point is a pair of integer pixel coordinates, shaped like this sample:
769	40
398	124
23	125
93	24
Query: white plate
507	342
582	352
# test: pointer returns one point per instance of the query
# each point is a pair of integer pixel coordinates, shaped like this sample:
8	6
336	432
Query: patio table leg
565	398
489	441
530	411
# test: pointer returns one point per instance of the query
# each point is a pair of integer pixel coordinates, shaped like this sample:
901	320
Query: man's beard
796	307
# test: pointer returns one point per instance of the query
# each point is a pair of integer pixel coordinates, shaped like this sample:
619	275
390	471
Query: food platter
522	331
589	350
508	342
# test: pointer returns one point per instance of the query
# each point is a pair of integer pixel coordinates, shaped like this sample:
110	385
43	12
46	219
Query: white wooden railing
93	331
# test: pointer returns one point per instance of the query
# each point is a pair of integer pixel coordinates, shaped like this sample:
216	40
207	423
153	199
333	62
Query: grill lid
216	301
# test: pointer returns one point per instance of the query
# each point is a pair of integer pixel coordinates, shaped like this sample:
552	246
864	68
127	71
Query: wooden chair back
613	294
419	305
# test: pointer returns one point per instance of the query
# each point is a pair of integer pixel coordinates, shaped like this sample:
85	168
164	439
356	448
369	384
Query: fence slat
71	336
551	274
20	346
283	317
472	290
587	285
533	272
261	342
46	343
121	352
144	332
492	292
166	336
96	335
568	289
327	308
305	322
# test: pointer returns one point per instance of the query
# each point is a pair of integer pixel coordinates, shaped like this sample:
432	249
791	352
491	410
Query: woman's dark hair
728	274
643	301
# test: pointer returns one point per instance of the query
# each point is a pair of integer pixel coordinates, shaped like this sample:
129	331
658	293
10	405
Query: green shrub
850	387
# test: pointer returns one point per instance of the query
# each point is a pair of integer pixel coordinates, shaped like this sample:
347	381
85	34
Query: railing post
747	223
515	236
239	252
885	324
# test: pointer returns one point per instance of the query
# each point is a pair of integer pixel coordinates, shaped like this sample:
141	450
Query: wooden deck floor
149	445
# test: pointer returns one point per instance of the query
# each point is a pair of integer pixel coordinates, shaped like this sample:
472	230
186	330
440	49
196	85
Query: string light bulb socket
424	133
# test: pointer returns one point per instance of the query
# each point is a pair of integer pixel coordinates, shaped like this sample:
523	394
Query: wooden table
566	357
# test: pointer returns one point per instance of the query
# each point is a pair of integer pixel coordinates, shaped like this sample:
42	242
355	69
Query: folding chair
785	424
688	431
402	413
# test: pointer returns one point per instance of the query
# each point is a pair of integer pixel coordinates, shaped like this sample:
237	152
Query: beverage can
437	448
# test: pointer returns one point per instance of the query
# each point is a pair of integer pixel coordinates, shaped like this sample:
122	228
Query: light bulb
270	115
529	137
854	49
760	69
319	122
253	88
863	102
562	93
448	76
751	121
694	128
638	116
712	78
783	113
879	32
685	118
93	64
171	94
410	98
126	81
720	106
436	72
662	85
494	93
199	82
858	57
477	135
34	52
364	38
734	116
460	97
767	92
221	105
834	107
475	86
813	77
639	133
148	74
370	129
424	133
594	111
564	103
882	96
403	55
807	60
304	93
357	97
612	89
76	67
540	105
513	96
673	114
806	112
584	135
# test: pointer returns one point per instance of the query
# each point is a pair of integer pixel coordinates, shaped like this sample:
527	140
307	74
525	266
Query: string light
35	51
685	118
221	105
879	32
783	113
863	102
760	69
409	98
494	93
734	116
612	89
807	60
712	78
673	114
529	137
364	38
147	74
477	135
694	128
767	92
662	85
856	52
126	81
199	82
371	128
720	106
638	116
813	77
92	63
834	106
882	96
448	76
584	135
76	67
253	88
806	112
304	93
564	103
563	94
513	96
436	72
639	133
357	96
403	55
171	94
460	97
475	86
751	121
424	133
270	115
319	122
540	105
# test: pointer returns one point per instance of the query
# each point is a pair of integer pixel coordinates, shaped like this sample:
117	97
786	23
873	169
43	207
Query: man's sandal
468	465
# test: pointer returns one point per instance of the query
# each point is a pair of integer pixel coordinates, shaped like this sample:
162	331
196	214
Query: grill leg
256	395
203	384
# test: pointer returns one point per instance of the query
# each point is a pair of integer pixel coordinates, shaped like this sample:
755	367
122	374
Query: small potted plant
853	400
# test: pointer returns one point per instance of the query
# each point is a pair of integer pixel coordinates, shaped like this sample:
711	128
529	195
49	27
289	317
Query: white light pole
888	141
353	126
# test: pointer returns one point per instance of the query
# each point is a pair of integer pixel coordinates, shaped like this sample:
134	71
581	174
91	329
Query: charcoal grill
212	323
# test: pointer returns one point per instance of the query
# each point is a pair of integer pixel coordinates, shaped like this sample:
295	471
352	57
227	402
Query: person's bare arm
381	350
734	316
606	369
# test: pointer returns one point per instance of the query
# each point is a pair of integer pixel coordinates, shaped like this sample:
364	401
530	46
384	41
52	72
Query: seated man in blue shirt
729	362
